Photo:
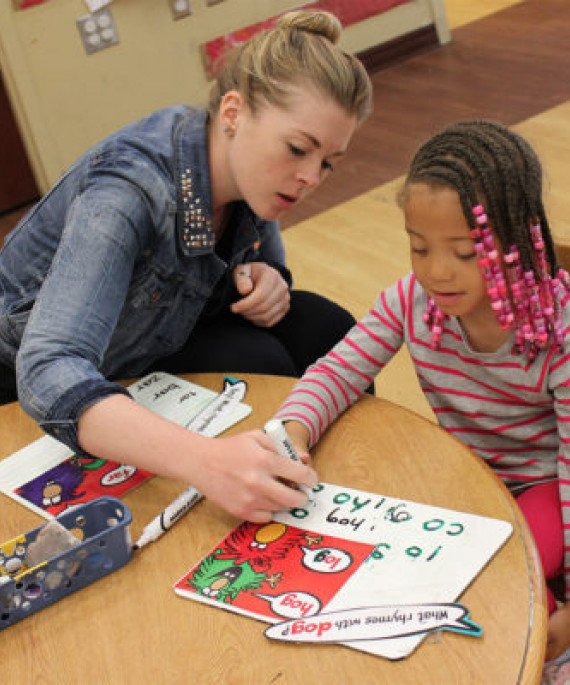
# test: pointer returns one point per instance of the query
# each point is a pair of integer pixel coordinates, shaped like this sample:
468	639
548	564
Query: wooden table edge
533	662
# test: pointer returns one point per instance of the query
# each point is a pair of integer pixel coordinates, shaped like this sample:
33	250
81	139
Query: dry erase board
422	554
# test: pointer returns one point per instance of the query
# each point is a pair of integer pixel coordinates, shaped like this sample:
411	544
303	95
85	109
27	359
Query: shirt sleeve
338	379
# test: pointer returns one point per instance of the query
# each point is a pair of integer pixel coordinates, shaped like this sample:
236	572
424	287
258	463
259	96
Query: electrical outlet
180	8
97	31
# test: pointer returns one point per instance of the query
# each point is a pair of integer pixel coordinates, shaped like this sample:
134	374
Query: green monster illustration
223	579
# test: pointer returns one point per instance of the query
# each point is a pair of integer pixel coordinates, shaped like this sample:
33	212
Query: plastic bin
105	545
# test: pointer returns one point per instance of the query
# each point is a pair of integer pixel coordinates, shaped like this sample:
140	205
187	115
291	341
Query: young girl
485	317
160	249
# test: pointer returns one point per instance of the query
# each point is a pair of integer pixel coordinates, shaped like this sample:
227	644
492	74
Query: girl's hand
245	476
558	638
265	294
300	438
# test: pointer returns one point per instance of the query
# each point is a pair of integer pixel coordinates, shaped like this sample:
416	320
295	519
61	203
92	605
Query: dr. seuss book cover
347	549
273	571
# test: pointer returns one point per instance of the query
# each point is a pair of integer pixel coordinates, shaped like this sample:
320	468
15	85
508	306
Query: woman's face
278	155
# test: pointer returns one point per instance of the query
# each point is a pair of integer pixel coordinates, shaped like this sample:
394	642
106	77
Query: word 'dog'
376	623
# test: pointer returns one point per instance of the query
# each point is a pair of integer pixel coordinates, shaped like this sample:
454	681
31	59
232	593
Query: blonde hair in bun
302	49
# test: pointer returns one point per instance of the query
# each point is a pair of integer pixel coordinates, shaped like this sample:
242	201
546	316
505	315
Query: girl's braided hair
488	164
498	178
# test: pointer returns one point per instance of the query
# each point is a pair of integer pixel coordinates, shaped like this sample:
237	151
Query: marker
276	431
165	520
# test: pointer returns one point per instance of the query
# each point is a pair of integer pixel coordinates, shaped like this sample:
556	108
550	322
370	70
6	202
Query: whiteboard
422	554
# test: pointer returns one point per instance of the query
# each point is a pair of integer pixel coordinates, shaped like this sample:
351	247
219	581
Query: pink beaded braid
537	306
539	313
516	284
434	319
488	259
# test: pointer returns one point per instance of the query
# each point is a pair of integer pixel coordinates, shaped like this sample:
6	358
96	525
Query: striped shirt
512	413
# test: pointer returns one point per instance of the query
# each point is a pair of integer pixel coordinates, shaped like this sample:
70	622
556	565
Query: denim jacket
109	272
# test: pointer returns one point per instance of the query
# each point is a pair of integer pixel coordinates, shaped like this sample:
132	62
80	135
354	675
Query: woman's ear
231	106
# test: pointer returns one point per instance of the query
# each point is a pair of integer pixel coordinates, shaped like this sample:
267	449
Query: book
347	549
48	477
256	561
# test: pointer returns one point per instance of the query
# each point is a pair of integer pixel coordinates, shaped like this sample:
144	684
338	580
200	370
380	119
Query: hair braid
498	178
501	170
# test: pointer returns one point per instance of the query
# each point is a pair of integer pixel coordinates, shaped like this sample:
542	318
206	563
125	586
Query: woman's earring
230	130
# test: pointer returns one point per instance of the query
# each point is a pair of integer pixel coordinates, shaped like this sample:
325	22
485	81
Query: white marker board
423	554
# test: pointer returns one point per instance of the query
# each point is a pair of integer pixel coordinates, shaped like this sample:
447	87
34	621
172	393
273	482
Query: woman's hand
244	475
265	294
558	638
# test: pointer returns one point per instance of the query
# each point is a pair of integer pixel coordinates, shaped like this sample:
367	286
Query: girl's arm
338	379
299	435
558	636
242	474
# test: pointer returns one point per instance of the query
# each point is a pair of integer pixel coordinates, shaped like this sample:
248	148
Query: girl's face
277	156
443	253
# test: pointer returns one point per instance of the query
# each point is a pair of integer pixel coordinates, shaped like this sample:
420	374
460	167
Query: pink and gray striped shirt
512	413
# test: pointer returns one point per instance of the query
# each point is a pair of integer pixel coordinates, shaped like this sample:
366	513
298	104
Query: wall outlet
97	31
180	8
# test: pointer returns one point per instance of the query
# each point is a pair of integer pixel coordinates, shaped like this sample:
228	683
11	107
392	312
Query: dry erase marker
275	430
165	520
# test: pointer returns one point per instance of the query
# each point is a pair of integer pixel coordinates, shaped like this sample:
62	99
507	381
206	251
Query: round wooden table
130	627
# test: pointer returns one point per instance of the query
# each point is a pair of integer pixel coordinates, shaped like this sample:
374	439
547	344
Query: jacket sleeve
78	306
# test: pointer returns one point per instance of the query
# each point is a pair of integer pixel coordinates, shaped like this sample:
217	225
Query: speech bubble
292	604
326	559
118	475
211	420
376	623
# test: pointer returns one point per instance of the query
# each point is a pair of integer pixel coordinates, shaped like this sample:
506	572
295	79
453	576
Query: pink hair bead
529	301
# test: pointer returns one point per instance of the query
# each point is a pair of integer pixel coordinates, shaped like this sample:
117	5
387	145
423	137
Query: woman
159	249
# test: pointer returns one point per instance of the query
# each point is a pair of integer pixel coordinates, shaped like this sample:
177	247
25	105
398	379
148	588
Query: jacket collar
194	225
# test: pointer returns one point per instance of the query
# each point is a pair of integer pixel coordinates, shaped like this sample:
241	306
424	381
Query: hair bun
320	23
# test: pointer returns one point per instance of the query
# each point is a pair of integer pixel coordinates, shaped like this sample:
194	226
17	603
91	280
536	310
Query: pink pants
541	508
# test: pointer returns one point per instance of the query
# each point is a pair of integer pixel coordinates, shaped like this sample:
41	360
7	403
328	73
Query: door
17	184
